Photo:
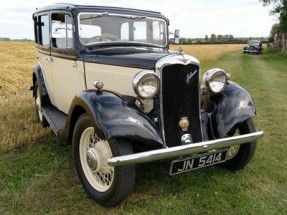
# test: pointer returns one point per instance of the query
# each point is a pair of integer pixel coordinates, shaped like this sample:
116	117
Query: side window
62	31
44	30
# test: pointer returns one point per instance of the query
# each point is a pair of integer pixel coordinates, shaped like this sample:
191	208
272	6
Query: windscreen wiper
96	15
134	17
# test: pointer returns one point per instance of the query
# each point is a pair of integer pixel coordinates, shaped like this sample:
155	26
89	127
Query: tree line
279	10
278	33
220	39
8	39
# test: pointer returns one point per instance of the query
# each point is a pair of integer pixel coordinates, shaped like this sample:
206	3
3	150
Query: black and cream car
253	47
106	81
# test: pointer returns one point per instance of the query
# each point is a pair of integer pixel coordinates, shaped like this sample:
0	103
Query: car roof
73	7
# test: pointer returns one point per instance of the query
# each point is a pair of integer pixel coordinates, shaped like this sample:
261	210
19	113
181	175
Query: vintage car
253	47
106	81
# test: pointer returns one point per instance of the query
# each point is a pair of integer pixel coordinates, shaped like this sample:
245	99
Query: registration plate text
196	162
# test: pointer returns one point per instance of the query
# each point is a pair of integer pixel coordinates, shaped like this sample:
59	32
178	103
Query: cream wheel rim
94	153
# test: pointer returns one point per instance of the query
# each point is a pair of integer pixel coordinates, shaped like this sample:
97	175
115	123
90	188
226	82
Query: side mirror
176	36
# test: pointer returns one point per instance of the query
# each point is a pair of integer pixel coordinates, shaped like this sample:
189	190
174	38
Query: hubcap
92	159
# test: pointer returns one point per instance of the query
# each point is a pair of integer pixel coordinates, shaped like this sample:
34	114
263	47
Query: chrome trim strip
183	150
175	58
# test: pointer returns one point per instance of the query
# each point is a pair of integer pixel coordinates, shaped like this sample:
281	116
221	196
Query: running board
56	119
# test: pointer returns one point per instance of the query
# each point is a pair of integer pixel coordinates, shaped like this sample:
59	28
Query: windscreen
254	43
112	28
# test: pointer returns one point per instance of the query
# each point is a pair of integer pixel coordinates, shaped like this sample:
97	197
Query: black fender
113	117
38	75
232	107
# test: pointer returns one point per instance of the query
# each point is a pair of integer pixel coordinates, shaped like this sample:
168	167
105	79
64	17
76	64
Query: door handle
50	59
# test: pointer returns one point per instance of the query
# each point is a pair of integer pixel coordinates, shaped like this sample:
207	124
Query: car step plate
195	162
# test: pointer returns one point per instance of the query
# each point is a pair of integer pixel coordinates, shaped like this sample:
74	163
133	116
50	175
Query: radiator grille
180	98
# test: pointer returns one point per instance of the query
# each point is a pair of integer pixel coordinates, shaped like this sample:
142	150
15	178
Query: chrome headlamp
215	80
146	84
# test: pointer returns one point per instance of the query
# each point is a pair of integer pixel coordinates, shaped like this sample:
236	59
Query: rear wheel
38	106
106	184
240	155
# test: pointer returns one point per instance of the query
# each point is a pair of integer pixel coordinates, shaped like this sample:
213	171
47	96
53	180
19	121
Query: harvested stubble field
208	52
18	127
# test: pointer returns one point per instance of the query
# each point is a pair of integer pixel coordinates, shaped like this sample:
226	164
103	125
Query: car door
42	41
67	71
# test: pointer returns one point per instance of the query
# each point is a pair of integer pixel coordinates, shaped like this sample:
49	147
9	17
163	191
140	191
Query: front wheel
238	156
106	184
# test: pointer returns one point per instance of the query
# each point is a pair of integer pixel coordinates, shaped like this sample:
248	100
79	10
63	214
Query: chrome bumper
183	150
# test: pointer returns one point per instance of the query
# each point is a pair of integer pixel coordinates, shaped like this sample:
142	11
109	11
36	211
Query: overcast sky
194	18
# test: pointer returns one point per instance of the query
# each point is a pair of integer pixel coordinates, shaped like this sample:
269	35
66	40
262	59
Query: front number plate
196	162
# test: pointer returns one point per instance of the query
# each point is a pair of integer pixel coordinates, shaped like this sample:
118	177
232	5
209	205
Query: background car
253	47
